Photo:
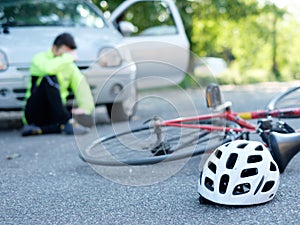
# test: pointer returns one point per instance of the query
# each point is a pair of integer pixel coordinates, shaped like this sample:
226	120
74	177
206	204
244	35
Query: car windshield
49	13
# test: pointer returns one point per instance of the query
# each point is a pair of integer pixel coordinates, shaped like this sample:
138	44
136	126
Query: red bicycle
167	140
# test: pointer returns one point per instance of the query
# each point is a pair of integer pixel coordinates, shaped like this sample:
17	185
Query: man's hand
73	53
58	51
78	111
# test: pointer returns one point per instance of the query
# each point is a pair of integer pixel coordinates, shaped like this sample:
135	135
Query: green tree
243	32
108	5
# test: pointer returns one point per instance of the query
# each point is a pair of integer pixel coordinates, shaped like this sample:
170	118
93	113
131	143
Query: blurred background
258	39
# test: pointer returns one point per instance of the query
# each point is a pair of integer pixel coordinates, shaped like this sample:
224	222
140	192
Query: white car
117	56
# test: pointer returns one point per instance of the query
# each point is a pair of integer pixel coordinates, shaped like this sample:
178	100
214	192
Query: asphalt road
43	181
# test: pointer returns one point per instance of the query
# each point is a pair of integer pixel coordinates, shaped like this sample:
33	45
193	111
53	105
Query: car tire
118	112
123	111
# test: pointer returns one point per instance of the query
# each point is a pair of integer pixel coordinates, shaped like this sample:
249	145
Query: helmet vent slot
226	145
249	172
242	146
254	159
272	167
218	154
268	186
241	189
209	184
259	185
212	167
231	160
259	148
200	177
223	184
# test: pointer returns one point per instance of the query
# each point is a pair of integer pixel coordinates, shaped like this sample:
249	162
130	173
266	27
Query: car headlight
109	57
3	61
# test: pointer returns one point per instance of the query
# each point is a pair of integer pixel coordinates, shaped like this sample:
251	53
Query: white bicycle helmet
239	173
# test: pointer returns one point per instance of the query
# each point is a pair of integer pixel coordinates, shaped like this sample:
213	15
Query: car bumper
106	84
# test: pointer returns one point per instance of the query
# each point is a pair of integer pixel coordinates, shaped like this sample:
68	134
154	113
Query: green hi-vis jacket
68	76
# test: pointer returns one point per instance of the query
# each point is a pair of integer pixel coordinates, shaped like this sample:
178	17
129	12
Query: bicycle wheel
151	144
287	99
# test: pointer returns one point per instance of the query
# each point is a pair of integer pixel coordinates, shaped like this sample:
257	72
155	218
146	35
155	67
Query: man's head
63	43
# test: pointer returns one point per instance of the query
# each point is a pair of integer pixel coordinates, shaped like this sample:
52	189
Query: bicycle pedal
162	152
162	149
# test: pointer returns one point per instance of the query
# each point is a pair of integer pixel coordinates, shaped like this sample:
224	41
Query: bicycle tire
286	99
118	150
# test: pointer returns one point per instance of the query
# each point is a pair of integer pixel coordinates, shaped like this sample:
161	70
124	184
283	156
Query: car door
155	35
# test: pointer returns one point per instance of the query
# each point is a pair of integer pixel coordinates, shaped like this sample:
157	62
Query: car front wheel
122	111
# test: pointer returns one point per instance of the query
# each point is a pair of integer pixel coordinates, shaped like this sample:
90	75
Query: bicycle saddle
284	147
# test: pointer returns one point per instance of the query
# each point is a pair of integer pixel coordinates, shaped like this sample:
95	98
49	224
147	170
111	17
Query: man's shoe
72	127
31	129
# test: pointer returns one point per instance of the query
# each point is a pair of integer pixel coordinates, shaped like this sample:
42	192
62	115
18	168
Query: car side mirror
127	28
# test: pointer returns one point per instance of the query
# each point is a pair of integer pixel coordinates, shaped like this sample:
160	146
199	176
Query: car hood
21	44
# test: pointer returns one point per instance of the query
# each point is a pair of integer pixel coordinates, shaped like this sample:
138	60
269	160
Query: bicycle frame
238	118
